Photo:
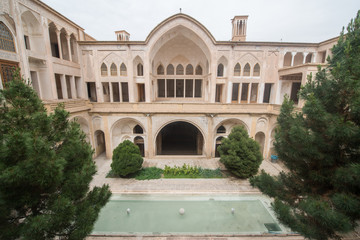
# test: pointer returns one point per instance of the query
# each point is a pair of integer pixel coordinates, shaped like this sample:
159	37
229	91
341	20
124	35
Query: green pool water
151	214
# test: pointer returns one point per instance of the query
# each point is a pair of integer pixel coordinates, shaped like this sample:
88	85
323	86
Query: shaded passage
179	138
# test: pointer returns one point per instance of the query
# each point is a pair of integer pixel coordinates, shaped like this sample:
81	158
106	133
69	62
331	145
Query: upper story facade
179	61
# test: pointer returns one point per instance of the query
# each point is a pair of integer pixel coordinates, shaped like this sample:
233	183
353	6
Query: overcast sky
269	20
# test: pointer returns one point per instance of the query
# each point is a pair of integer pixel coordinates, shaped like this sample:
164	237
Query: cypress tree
319	196
45	169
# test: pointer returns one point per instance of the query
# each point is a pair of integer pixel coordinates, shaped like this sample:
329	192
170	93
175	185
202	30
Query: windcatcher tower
239	24
122	35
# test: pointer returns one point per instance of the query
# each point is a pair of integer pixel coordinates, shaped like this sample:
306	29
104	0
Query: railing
70	105
204	108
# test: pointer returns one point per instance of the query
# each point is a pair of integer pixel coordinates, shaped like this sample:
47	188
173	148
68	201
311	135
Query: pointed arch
170	69
256	71
113	69
160	70
247	70
198	70
138	129
123	70
103	70
189	70
179	69
140	69
237	69
220	70
221	129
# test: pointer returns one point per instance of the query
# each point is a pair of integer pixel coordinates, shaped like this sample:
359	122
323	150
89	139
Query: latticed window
103	70
113	69
7	70
140	70
123	70
256	70
247	70
198	70
220	70
6	39
237	70
189	69
179	70
160	70
170	69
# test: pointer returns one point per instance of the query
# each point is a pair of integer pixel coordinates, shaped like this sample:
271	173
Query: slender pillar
63	86
73	87
314	57
111	92
69	48
305	55
292	58
59	43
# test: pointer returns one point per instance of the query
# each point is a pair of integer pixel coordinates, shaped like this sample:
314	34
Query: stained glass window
6	39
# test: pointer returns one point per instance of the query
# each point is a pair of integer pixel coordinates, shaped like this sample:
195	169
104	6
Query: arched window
221	129
140	70
170	69
198	70
6	39
189	70
220	70
139	141
160	70
179	70
247	70
104	70
138	130
237	70
256	72
123	70
113	69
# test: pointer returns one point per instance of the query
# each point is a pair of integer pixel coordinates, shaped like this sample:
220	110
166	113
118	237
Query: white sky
269	20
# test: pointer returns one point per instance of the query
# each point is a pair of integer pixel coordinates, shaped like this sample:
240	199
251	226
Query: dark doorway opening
179	138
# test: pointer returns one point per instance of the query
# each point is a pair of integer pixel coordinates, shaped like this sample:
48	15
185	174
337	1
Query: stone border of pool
198	237
225	186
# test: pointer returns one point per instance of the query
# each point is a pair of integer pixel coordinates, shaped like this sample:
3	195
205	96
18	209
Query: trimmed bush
240	154
126	159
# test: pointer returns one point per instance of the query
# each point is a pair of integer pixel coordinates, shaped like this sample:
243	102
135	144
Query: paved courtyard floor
230	185
191	186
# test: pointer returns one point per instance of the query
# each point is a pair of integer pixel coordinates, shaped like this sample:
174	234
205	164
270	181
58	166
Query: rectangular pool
159	214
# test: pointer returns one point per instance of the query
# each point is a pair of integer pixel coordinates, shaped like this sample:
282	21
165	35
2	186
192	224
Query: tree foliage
45	170
320	195
240	154
126	158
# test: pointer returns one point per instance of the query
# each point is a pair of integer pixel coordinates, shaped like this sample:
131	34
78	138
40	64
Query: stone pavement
224	186
191	186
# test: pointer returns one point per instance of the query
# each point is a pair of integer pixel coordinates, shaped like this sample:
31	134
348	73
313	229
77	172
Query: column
111	92
314	57
59	43
73	87
69	48
149	148
305	55
292	58
209	140
228	94
63	86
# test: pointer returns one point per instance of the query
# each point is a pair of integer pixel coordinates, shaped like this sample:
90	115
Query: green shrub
149	173
187	171
126	159
240	154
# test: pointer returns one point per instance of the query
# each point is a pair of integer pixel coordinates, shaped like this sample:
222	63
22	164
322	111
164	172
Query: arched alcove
139	141
99	142
217	144
179	138
260	138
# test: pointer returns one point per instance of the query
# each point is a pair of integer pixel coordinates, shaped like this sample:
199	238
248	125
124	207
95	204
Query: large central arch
179	138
